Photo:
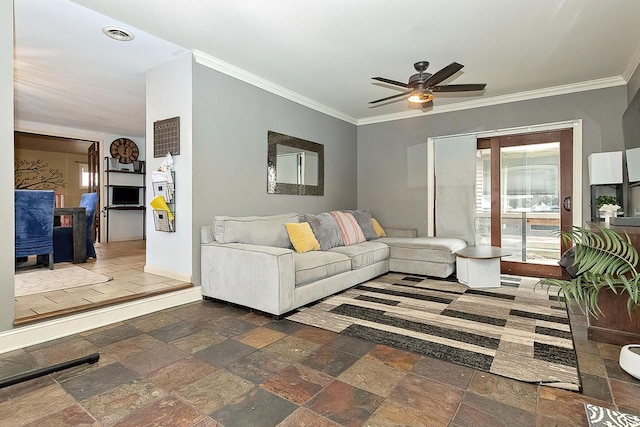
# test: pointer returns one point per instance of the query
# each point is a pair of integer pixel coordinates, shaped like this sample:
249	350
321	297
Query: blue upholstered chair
63	236
34	223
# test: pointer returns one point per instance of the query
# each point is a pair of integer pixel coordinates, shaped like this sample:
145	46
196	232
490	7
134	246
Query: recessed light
118	33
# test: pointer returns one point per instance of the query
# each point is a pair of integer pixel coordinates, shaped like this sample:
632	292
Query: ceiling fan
423	85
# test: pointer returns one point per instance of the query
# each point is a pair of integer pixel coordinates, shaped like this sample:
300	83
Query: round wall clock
125	150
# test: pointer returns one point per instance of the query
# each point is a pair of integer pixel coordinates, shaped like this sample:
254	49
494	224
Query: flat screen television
125	195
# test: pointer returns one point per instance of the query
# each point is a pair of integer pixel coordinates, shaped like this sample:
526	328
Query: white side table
479	266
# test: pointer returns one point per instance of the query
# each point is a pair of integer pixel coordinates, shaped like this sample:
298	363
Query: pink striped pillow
349	229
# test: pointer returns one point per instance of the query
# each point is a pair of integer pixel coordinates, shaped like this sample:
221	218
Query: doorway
45	162
61	164
524	191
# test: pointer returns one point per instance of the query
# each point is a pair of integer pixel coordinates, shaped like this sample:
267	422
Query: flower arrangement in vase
608	207
609	211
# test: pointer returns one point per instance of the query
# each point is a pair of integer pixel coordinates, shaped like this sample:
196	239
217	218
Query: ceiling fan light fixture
421	86
118	33
420	97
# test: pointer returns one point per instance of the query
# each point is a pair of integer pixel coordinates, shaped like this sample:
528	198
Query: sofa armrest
206	234
259	277
401	232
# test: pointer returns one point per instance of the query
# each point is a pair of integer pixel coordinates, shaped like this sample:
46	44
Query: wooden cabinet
615	327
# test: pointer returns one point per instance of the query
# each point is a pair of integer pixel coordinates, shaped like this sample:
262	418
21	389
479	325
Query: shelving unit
126	179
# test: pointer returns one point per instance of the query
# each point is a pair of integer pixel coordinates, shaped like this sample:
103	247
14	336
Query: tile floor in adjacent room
210	364
124	261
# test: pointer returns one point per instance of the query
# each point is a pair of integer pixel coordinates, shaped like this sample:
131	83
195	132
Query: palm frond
604	259
609	253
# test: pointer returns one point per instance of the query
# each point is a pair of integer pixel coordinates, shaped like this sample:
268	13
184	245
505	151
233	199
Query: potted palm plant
604	282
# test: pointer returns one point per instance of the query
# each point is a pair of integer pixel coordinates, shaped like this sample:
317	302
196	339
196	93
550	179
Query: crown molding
240	74
502	99
254	80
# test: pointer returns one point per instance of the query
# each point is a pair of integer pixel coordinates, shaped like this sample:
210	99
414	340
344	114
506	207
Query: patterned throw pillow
364	221
302	237
349	229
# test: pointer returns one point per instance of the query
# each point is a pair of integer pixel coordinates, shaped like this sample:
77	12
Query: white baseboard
24	336
168	273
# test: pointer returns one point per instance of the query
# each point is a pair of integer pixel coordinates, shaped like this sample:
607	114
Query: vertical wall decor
166	137
164	203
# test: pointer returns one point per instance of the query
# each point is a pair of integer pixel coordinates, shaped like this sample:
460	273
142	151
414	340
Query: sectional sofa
250	260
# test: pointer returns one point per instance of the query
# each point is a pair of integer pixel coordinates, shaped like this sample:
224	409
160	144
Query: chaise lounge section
249	261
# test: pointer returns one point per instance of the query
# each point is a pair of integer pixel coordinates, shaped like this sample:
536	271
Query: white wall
7	247
169	94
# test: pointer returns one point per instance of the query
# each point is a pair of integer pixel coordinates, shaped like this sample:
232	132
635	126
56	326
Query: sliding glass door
523	198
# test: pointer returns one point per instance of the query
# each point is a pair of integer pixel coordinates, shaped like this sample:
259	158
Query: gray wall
631	127
631	122
382	147
7	254
633	85
230	123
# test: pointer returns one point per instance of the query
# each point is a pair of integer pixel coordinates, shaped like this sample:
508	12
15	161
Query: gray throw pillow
364	221
325	229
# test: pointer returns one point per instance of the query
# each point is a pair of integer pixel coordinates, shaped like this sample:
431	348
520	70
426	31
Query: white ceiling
68	73
326	51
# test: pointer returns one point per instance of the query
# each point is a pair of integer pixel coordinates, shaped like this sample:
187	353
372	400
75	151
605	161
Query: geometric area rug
514	330
45	280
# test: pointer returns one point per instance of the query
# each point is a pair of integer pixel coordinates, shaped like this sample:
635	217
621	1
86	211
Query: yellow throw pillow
378	229
302	238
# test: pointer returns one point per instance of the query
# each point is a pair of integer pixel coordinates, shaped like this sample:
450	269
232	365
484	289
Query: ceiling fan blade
391	97
443	74
391	82
459	88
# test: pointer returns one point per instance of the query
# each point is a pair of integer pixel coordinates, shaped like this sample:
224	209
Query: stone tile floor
211	364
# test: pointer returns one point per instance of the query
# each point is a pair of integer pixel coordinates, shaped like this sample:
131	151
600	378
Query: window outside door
523	198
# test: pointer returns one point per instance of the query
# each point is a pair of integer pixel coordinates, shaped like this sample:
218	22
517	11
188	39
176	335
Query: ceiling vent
118	33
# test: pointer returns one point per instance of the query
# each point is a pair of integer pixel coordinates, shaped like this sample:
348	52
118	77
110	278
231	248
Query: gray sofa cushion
325	229
433	249
255	230
316	265
364	221
364	254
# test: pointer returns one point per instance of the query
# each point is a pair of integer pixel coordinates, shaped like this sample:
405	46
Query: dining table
79	231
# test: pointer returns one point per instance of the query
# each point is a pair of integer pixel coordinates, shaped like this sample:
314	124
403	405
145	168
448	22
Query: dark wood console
616	327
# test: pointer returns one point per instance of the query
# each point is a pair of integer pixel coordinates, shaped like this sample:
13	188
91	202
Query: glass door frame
567	199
